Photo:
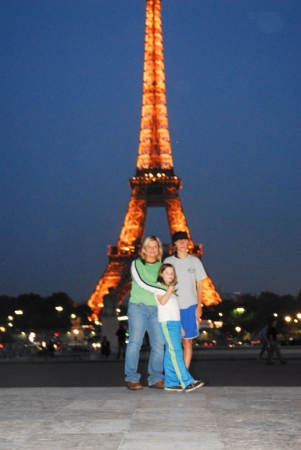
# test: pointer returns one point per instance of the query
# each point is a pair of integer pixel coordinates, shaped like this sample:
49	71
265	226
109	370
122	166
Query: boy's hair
161	270
146	242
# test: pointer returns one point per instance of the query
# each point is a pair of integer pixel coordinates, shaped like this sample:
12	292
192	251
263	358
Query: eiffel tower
155	183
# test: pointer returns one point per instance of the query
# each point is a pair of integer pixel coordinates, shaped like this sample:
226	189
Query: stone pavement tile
100	405
8	444
18	414
108	426
171	438
192	419
262	443
174	445
17	430
259	418
80	441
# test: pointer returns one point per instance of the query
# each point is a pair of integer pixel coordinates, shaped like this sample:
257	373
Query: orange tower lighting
154	184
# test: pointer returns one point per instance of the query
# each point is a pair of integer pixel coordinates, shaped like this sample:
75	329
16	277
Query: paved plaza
85	405
211	418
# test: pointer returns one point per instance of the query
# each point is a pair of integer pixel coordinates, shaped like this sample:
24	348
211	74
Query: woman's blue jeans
142	318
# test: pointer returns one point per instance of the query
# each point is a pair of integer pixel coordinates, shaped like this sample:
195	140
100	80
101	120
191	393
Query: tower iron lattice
154	183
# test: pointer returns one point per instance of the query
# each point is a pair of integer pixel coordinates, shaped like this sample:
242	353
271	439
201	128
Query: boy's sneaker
195	385
177	388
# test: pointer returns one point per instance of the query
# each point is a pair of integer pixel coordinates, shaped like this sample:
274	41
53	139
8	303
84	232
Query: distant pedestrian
273	344
264	341
121	337
50	348
105	347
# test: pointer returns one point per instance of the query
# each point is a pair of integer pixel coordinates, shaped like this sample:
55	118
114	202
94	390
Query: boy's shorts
189	322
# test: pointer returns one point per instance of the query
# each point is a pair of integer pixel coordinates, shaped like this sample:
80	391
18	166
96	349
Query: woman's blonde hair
145	244
161	270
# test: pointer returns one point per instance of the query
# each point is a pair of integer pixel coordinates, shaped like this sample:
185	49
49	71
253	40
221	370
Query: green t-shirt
148	273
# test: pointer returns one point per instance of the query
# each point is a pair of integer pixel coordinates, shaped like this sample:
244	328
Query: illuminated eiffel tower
154	184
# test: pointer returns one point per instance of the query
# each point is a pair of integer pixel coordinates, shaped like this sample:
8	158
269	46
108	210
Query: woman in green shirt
143	316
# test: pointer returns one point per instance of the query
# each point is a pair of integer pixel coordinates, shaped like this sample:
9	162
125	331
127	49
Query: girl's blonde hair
145	244
161	270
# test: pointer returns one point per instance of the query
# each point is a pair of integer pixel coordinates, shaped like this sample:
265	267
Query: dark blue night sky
71	86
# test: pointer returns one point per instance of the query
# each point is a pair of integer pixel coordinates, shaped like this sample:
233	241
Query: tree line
250	312
31	311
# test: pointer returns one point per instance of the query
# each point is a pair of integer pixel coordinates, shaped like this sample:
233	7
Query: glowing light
238	329
10	318
210	295
275	315
73	316
19	312
299	315
288	319
59	308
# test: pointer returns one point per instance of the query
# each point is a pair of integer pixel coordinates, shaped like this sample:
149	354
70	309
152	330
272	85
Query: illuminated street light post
59	309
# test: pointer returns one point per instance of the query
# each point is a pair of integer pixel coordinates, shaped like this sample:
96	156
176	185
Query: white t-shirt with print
189	271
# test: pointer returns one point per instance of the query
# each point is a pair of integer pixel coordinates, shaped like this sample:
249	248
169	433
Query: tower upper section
154	151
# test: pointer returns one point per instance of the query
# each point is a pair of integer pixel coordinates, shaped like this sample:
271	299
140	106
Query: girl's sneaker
174	388
195	385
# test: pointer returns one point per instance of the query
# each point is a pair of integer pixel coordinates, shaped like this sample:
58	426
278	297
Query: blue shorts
189	322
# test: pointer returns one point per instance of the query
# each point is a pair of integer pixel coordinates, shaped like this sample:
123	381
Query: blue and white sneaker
195	385
177	388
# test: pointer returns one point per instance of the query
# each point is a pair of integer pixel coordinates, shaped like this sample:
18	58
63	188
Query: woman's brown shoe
158	385
134	386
